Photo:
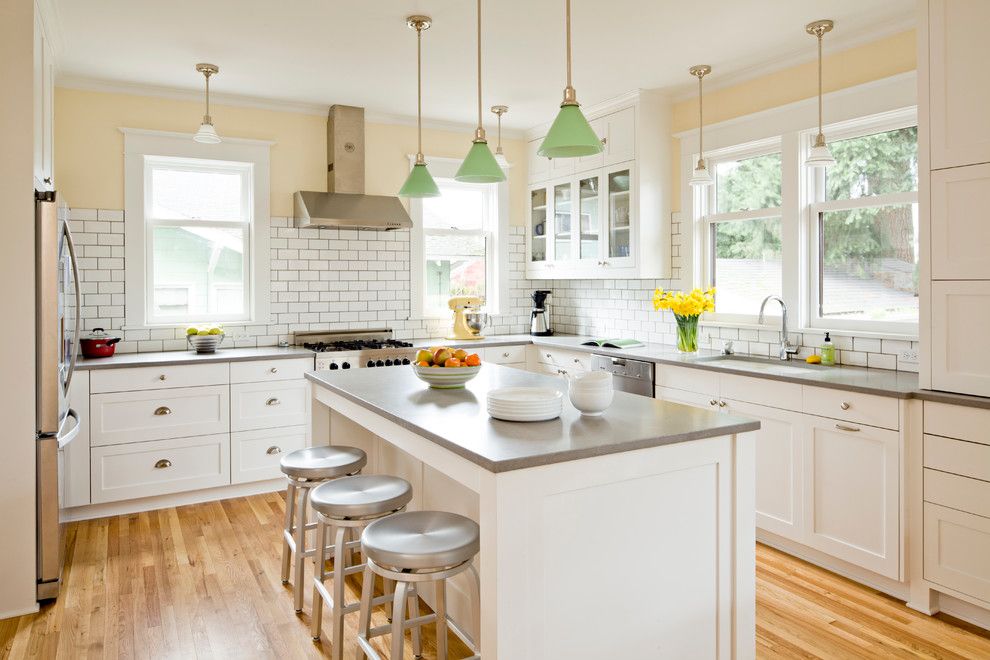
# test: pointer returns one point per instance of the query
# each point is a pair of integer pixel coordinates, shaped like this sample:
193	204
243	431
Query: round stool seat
421	540
361	496
324	462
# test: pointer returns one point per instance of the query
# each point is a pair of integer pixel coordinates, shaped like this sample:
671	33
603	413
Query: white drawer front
124	417
268	405
255	455
958	457
957	551
683	378
773	393
157	378
855	407
960	422
262	371
696	399
143	469
505	354
564	359
955	492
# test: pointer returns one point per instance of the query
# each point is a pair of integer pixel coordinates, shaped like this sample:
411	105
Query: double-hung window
864	229
196	232
741	223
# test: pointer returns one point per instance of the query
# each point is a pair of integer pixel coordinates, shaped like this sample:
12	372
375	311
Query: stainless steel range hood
346	205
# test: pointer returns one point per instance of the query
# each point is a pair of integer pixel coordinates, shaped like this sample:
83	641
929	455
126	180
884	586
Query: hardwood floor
203	581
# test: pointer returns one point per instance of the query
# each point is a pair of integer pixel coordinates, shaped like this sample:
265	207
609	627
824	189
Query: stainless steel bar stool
411	548
304	469
347	506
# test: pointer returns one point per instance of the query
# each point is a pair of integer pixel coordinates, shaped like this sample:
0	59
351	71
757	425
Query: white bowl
591	402
446	378
205	343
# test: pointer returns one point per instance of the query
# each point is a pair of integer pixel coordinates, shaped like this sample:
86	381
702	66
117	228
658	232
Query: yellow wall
89	164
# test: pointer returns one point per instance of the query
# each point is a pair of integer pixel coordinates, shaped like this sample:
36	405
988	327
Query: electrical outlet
909	356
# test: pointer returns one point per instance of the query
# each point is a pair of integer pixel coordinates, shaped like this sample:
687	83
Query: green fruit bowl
446	378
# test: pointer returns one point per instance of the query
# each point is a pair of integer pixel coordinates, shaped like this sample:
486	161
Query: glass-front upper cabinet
589	217
618	214
563	208
538	225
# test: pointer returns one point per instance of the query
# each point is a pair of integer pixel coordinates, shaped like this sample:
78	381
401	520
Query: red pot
98	343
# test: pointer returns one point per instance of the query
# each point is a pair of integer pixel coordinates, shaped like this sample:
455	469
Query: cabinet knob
163	463
163	410
505	355
272	402
713	402
722	404
604	140
844	405
548	355
273	370
274	449
162	377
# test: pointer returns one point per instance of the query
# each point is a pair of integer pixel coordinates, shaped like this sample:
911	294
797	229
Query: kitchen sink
757	364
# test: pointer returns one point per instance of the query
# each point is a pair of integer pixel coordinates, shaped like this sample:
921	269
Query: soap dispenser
828	352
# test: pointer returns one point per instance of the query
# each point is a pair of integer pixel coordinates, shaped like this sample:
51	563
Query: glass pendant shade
480	166
207	134
701	177
820	156
570	136
419	183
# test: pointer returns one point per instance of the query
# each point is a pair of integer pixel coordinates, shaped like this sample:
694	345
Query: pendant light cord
567	31
701	124
419	94
480	128
207	97
820	35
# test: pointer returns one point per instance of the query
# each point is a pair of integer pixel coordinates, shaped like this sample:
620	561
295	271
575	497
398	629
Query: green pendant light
419	183
570	135
480	165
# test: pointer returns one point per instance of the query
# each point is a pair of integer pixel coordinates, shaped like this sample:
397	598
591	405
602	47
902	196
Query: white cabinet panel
620	136
585	163
505	354
143	469
969	459
686	378
961	422
960	318
268	405
395	462
125	417
960	222
263	371
852	493
75	456
955	492
773	393
696	399
958	53
854	407
539	167
562	167
779	468
957	551
158	378
255	455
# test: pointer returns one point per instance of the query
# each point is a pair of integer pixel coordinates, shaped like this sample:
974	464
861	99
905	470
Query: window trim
140	144
496	245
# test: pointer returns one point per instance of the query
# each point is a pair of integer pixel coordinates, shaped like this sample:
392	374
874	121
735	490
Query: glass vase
687	333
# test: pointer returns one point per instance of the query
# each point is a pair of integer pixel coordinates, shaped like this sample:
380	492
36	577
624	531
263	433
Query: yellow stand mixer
468	318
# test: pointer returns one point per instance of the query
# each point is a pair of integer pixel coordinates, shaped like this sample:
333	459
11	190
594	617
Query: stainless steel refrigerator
58	317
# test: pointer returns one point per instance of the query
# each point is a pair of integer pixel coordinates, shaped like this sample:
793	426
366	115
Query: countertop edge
164	358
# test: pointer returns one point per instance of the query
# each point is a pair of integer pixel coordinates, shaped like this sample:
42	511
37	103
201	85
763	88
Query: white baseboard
968	612
176	499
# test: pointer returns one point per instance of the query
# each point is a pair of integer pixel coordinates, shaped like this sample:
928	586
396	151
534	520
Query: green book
614	343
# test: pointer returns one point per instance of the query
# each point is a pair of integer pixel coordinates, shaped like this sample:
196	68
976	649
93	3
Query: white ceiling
360	52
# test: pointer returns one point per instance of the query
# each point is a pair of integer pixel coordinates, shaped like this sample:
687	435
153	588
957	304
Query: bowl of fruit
446	368
205	338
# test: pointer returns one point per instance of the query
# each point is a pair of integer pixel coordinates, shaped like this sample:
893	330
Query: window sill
186	324
808	330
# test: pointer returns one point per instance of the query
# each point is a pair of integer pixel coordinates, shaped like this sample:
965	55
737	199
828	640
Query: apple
442	355
423	355
460	354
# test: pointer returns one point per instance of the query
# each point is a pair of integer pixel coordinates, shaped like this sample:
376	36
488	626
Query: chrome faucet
786	350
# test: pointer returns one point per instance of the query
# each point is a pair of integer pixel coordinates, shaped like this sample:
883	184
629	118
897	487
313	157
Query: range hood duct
346	205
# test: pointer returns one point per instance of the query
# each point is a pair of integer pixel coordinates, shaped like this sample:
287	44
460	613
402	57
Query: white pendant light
500	110
701	176
206	133
819	155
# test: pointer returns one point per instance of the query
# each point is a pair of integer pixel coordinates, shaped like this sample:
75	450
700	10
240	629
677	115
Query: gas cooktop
355	345
356	348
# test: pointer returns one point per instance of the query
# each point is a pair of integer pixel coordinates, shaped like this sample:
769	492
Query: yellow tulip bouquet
687	309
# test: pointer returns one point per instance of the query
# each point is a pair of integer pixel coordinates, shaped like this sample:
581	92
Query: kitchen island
627	535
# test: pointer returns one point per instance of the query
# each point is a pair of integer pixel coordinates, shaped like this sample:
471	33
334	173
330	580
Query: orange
473	360
452	362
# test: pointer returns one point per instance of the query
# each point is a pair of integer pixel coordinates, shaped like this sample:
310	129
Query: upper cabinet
606	215
44	103
958	95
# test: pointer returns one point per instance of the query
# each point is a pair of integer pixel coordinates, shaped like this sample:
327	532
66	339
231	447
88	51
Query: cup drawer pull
274	449
163	410
272	402
163	463
843	427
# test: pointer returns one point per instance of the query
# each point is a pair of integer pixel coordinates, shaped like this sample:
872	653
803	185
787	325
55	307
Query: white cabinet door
560	167
958	53
779	468
595	162
268	405
619	223
537	231
957	551
620	136
960	318
38	120
75	456
852	493
696	399
255	455
588	234
539	167
126	417
961	223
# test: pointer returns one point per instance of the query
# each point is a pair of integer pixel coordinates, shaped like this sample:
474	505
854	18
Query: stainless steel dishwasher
634	376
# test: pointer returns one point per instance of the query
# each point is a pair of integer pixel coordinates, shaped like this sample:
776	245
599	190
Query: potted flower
687	309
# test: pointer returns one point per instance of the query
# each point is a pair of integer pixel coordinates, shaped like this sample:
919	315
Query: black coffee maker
539	323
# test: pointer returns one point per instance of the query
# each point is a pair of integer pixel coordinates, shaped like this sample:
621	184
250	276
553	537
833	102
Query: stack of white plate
525	404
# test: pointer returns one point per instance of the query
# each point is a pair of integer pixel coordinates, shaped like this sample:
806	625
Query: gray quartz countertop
458	419
191	357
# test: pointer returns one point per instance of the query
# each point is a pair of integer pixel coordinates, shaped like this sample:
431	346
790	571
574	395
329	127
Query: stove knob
379	363
345	365
405	360
333	366
371	363
388	362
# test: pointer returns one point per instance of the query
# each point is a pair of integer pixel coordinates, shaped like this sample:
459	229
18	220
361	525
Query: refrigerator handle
78	296
63	440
